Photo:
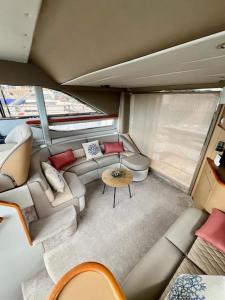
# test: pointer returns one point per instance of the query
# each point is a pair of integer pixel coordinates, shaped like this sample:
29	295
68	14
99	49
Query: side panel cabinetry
203	190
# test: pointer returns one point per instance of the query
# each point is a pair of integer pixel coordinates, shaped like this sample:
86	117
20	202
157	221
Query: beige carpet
119	237
116	237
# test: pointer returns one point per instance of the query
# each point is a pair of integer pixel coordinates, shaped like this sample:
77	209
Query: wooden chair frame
85	267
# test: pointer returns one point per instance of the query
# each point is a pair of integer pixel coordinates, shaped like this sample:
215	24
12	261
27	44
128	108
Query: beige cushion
210	260
75	185
107	160
60	198
79	153
92	150
186	267
82	166
54	178
182	232
153	272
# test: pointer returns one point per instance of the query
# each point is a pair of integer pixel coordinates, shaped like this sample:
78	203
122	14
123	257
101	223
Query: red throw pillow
62	159
113	147
213	231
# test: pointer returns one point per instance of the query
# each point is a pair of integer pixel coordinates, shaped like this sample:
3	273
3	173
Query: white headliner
198	61
17	23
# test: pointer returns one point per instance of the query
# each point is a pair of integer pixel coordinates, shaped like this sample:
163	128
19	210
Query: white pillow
54	178
92	150
206	287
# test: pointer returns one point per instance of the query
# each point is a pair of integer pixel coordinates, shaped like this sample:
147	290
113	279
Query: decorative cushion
54	178
213	231
92	150
197	287
79	153
113	147
62	159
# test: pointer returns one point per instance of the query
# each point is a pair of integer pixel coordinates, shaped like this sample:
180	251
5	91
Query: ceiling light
221	46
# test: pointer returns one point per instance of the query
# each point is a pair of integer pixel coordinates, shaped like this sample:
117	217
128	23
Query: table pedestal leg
103	189
114	199
129	191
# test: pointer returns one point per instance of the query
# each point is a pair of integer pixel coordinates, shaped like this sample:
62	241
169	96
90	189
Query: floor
116	237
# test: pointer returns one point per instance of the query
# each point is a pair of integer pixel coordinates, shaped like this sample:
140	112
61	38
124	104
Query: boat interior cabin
112	149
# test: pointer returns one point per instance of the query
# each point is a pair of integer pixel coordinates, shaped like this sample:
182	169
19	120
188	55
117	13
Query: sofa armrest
128	144
6	183
182	232
151	275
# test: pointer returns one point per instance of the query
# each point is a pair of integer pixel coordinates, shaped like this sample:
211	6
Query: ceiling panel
74	38
198	61
17	23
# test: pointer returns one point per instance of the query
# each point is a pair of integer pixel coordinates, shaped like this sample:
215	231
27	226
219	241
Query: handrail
72	119
87	267
21	218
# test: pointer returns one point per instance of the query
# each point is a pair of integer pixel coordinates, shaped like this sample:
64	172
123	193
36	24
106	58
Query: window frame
3	116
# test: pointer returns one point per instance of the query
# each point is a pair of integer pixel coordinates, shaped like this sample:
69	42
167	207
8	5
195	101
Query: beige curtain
171	130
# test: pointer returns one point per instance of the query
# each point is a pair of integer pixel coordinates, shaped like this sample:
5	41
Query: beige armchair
15	156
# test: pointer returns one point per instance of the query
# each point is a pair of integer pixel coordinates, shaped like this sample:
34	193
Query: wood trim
72	119
220	126
85	267
216	175
21	218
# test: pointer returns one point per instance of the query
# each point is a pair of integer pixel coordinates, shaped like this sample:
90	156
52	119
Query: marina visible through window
58	103
20	102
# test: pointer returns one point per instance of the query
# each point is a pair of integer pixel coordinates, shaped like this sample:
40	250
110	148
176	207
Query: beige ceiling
200	61
76	37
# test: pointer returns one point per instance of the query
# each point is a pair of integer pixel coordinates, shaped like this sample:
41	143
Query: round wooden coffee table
116	182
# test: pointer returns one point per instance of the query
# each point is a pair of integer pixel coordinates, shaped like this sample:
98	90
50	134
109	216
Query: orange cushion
213	231
62	159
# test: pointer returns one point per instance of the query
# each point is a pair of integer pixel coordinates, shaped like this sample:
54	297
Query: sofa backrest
15	161
60	147
36	173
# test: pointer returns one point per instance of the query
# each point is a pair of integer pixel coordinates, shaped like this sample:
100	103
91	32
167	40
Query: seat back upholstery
16	161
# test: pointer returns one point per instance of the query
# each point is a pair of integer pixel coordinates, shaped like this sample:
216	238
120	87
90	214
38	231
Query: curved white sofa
81	172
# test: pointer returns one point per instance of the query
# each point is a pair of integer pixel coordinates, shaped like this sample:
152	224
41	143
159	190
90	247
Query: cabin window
18	101
58	103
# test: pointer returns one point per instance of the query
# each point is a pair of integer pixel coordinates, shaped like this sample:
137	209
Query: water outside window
171	130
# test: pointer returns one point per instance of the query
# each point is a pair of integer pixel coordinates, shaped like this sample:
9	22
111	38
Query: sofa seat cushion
182	232
210	260
60	198
82	166
136	162
153	272
126	154
186	267
76	187
107	159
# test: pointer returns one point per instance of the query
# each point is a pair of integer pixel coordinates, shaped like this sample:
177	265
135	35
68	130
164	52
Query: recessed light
221	46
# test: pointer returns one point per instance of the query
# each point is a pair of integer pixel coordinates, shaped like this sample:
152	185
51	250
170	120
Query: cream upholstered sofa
15	157
80	172
177	252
